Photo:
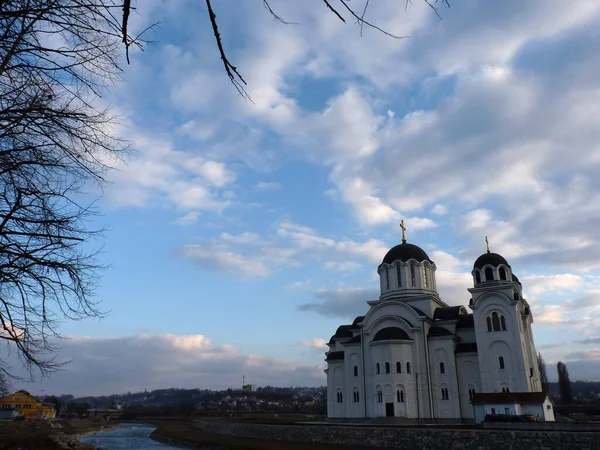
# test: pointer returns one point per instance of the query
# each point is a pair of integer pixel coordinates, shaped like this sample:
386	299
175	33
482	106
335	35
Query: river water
135	437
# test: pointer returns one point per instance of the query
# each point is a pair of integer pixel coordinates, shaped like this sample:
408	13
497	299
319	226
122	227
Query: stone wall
411	438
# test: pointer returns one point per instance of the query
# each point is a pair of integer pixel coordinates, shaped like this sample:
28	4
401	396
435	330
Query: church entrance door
389	410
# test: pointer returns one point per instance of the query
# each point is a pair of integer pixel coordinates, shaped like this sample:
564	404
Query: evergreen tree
564	384
543	374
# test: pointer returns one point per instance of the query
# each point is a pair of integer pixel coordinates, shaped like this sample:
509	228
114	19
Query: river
134	437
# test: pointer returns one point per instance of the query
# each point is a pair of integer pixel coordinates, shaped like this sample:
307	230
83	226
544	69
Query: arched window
398	367
496	321
355	397
477	277
377	369
399	275
502	323
379	397
413	281
489	323
501	362
387	278
387	367
355	371
424	276
502	272
340	399
442	368
407	367
471	393
445	394
400	396
489	274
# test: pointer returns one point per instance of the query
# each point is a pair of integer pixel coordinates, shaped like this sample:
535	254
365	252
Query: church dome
403	252
493	259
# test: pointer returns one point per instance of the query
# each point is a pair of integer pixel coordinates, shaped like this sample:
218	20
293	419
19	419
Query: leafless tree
342	9
56	59
543	374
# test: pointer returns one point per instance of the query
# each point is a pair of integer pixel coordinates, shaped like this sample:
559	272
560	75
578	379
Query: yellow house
28	406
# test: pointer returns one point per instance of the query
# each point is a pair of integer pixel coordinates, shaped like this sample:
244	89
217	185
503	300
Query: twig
231	70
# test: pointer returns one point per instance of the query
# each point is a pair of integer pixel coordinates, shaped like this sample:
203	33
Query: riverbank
183	433
50	434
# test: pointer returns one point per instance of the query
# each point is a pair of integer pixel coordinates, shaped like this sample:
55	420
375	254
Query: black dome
391	334
490	258
404	252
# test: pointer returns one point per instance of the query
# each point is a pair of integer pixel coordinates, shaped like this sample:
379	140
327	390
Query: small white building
414	356
513	403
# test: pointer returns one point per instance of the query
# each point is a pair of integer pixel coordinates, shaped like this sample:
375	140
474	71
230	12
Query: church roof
490	258
358	320
514	278
391	334
355	340
418	311
509	397
466	347
405	251
343	332
450	313
439	331
335	356
466	321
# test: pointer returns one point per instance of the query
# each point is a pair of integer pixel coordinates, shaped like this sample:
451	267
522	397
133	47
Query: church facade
411	355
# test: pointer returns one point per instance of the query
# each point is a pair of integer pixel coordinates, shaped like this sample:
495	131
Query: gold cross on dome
487	244
403	230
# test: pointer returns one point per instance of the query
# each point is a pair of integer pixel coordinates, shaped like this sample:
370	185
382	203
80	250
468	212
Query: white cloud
267	186
106	366
188	219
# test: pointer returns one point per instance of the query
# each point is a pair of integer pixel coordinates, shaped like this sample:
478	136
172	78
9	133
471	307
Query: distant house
28	406
512	403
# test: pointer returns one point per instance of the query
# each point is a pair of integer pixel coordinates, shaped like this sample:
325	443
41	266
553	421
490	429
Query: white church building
413	356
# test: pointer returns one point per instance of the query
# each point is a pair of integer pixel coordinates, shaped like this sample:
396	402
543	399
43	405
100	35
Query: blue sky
243	233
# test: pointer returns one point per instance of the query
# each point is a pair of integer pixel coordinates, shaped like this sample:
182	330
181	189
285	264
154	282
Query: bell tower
502	317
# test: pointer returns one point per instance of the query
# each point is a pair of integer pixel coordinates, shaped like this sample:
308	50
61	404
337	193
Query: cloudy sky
243	233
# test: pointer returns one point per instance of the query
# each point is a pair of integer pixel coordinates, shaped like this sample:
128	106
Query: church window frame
489	323
502	323
377	369
400	396
442	368
489	274
355	371
502	274
398	367
407	367
388	368
340	397
496	321
477	276
355	396
471	393
399	274
501	363
379	396
412	275
445	395
387	279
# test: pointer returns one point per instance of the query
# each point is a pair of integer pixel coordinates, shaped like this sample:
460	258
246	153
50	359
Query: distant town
269	399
